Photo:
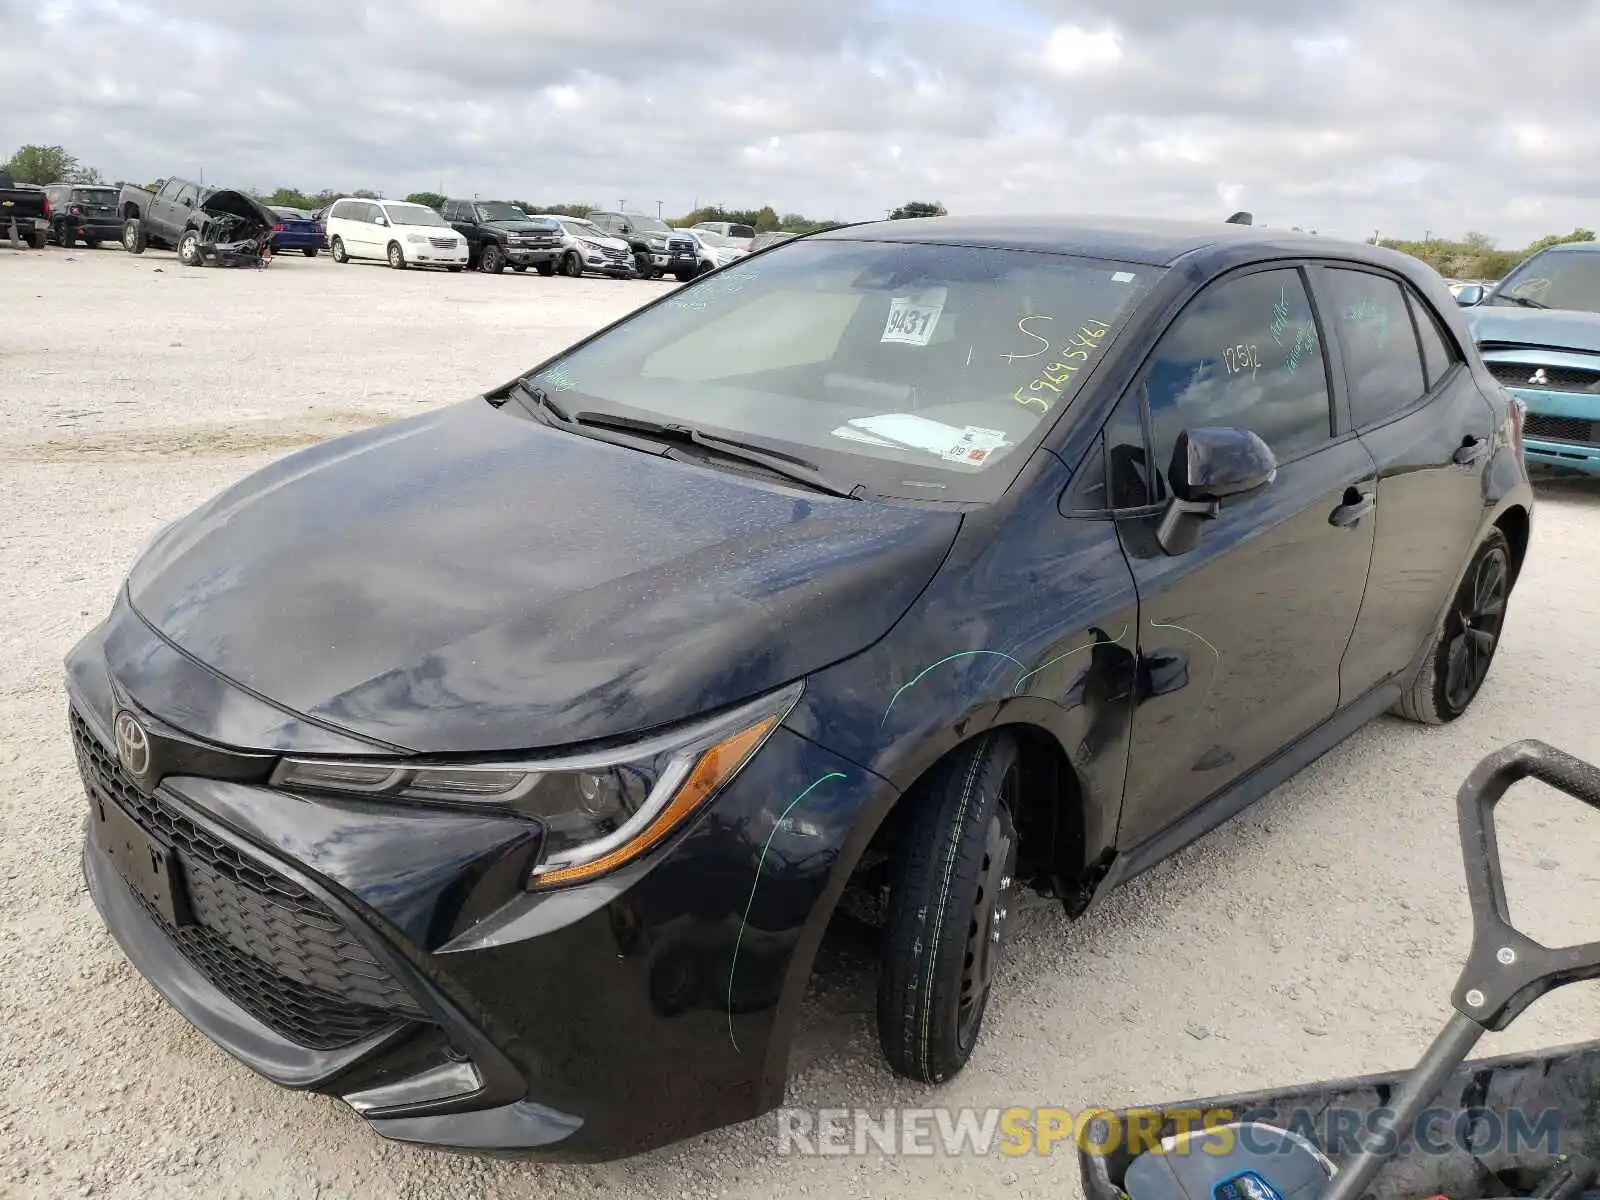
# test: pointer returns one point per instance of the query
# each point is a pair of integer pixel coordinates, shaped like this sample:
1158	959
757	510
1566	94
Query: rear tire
546	269
1463	646
309	251
951	891
338	251
133	237
397	256
38	239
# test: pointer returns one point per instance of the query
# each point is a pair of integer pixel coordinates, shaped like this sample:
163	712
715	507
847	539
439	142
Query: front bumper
415	978
1561	429
531	256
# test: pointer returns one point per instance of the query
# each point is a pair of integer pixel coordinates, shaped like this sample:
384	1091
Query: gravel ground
133	388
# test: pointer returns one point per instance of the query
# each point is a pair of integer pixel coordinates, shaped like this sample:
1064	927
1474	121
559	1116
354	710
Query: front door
1420	413
1241	636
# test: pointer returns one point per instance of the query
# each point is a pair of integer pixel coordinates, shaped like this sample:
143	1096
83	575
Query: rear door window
1383	363
1439	355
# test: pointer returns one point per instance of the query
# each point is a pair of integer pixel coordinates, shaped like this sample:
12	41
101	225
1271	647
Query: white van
739	235
404	235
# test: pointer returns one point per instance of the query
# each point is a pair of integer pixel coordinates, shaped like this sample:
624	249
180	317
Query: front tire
189	248
683	276
493	260
397	256
1463	646
951	891
705	268
340	255
572	265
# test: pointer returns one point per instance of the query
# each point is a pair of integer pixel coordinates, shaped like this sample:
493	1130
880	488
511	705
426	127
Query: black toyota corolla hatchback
498	770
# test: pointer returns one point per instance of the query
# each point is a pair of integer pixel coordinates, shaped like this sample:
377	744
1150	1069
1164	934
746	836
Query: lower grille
1561	429
1549	379
259	937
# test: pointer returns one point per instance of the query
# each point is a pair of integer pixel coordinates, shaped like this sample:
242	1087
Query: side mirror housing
380	220
1470	294
1209	465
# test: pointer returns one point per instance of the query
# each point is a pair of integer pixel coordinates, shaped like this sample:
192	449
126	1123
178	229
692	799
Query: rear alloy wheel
493	260
572	265
133	239
952	897
338	251
397	256
189	248
1463	647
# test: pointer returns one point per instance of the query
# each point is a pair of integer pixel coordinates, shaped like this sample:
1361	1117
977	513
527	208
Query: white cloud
1074	50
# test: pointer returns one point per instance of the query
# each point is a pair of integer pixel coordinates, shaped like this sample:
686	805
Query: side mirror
1209	465
380	220
1470	294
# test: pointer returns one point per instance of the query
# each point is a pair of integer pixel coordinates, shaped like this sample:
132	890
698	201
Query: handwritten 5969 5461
1071	356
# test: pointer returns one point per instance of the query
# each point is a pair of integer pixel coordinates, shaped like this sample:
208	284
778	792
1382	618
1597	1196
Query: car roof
1573	248
1151	241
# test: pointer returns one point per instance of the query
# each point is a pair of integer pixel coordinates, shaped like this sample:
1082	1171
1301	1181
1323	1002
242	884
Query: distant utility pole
622	206
658	210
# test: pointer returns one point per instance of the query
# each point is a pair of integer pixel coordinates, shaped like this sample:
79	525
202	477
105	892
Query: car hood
522	227
471	580
227	202
1554	328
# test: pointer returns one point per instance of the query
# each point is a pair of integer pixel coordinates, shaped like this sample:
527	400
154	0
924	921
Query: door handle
1471	450
1357	504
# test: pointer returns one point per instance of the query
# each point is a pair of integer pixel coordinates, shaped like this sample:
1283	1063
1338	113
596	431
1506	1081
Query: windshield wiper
789	467
536	402
1522	300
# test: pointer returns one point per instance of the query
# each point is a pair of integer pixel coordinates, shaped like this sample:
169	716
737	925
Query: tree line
1473	256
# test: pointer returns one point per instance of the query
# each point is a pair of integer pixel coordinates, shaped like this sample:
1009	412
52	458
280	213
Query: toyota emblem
133	744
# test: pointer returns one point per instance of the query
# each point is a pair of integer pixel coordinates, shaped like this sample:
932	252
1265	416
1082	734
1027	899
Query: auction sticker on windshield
912	319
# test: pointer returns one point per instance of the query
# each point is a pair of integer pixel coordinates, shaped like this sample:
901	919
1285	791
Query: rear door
1240	638
1419	412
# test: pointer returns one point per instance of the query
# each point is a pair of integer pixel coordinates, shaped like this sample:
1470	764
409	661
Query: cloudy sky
1347	116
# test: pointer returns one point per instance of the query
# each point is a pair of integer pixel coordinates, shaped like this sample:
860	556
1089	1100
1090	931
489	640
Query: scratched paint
755	883
920	675
1017	690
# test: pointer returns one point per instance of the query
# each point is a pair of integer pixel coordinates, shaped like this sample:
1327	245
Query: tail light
76	210
278	228
47	211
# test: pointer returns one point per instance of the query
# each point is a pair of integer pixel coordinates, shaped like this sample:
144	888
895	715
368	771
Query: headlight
416	237
599	811
593	245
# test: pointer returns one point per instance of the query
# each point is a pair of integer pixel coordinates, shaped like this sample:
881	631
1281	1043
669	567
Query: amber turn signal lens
714	767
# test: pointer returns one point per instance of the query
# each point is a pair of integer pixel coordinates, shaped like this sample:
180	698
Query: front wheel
189	248
1463	646
493	260
338	251
952	890
572	265
397	256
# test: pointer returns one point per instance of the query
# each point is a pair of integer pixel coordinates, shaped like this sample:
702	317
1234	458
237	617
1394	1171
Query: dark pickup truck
24	213
657	247
500	235
157	218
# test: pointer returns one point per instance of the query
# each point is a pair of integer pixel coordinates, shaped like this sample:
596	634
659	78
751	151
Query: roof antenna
1240	218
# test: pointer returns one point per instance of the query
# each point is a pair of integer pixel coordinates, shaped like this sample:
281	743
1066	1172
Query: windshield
413	214
95	195
648	224
913	368
709	238
1555	279
499	210
583	229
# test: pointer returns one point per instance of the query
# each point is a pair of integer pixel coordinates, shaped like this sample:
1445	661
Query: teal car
1539	331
